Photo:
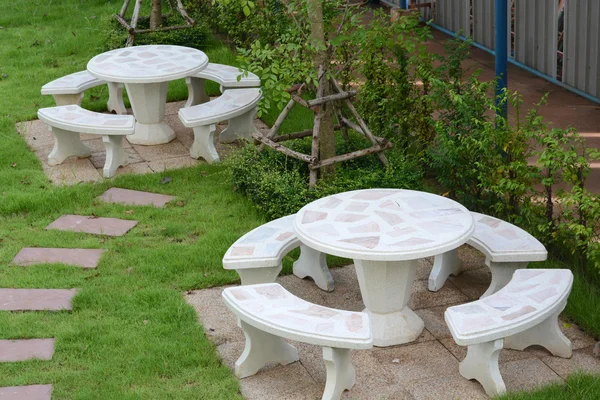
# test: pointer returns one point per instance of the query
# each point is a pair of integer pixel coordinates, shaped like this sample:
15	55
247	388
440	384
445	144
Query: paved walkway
61	299
424	369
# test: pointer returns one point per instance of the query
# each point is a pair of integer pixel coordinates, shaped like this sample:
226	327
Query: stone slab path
85	258
94	225
36	299
33	392
135	197
425	369
26	349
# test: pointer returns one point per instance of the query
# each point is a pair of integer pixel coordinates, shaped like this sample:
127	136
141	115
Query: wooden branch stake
361	122
299	135
314	174
332	97
349	156
282	149
124	9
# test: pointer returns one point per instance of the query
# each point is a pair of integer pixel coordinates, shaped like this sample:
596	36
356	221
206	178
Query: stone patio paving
143	159
425	369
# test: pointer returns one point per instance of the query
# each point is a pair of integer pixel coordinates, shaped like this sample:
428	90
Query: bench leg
115	98
481	364
66	144
502	273
444	265
340	372
115	155
253	276
261	349
196	91
240	127
204	145
313	263
546	334
68	99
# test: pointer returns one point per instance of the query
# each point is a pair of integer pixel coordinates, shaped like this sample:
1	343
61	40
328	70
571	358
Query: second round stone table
386	232
146	72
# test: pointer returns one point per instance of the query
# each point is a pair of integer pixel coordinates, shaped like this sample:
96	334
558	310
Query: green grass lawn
130	335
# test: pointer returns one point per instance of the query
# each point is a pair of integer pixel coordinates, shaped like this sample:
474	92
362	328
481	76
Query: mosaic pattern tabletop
530	292
147	64
384	224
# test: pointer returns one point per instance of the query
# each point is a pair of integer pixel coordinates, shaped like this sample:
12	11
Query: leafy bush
278	185
197	36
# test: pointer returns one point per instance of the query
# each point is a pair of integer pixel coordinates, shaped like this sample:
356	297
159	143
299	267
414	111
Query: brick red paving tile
36	299
94	225
33	392
85	258
135	197
21	350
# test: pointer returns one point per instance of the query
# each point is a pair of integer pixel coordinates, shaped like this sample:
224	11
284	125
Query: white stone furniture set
146	71
386	231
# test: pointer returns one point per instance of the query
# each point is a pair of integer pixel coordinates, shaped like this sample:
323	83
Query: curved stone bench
268	314
523	313
67	122
225	75
257	255
69	90
506	247
239	106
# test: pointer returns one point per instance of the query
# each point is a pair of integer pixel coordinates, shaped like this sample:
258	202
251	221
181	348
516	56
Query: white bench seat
239	106
225	75
506	248
268	314
257	256
69	90
67	122
523	313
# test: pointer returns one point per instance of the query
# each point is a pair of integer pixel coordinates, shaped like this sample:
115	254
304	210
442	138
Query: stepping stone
94	225
36	299
33	392
85	258
135	197
21	350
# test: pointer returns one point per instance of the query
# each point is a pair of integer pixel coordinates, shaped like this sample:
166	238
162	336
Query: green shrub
278	185
197	36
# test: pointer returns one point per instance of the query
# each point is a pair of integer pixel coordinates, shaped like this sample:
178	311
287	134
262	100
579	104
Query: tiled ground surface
425	369
143	159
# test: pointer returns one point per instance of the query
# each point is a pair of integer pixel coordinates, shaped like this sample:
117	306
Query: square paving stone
85	258
135	197
36	299
21	350
582	360
32	392
94	225
451	387
417	361
527	374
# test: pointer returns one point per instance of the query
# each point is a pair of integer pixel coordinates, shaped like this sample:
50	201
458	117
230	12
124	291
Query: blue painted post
501	51
404	4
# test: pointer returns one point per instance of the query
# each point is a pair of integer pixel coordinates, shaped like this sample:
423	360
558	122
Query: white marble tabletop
384	224
147	64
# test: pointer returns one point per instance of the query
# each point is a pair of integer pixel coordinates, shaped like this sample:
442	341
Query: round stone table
386	232
146	72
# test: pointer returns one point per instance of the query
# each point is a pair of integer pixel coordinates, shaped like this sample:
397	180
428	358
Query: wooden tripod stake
314	163
131	29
